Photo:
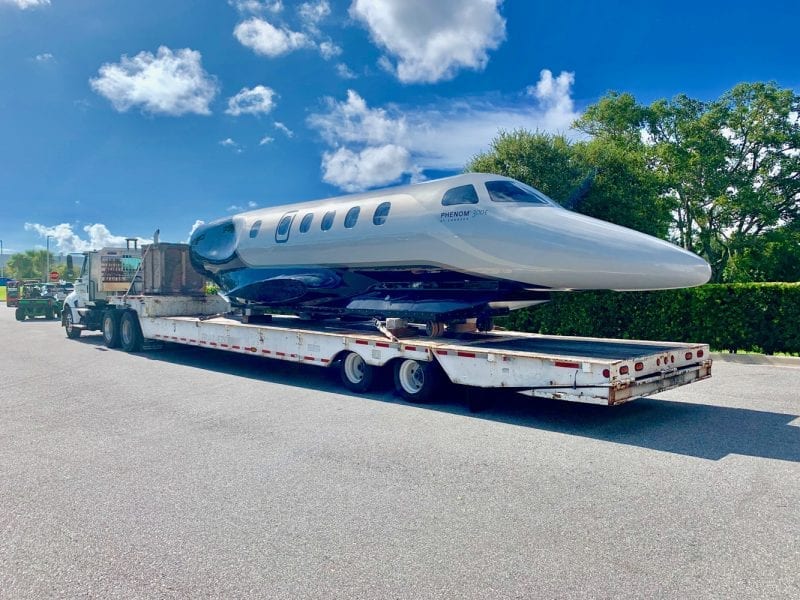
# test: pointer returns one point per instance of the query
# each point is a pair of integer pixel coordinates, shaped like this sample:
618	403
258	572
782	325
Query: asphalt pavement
187	473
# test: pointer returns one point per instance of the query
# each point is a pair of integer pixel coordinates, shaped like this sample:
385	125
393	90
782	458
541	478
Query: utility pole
47	270
2	263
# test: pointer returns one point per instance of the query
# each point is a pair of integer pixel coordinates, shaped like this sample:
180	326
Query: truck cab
106	274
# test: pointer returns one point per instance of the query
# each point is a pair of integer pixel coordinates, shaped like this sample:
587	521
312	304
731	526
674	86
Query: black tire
19	314
417	381
69	324
110	328
130	332
357	375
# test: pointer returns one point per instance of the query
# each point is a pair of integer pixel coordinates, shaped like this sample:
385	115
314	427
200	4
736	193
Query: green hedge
755	317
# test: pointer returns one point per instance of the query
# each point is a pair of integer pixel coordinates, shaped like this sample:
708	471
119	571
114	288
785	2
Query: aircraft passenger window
255	228
327	220
513	191
381	213
463	194
305	224
352	217
284	227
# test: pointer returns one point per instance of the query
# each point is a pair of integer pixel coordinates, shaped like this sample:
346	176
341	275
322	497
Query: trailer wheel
69	324
130	332
19	314
417	381
111	329
434	329
357	375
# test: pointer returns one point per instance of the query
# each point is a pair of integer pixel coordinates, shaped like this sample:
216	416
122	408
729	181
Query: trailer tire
357	376
130	332
69	324
417	381
19	314
110	327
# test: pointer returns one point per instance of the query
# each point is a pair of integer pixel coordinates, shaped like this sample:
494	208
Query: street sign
54	276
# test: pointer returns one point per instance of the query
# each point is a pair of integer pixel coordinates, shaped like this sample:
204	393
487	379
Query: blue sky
117	118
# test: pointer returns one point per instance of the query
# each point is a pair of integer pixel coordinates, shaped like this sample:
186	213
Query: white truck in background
153	295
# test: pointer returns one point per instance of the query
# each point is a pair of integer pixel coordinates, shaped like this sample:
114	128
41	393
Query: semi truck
148	297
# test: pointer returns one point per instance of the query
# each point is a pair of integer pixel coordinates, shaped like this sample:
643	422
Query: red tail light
606	373
623	370
700	354
639	366
688	356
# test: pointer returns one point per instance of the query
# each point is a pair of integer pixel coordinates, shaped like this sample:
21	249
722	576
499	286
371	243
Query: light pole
2	264
47	270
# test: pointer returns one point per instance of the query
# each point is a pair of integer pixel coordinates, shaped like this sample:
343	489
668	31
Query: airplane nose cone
587	253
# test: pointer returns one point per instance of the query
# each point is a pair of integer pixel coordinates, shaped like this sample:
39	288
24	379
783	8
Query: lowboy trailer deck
589	370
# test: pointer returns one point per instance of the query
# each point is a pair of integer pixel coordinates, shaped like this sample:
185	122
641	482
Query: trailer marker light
623	370
568	365
688	356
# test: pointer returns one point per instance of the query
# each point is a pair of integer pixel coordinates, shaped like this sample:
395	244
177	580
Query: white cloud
264	38
312	13
252	204
44	57
266	140
371	167
352	121
441	137
169	83
26	4
328	50
283	128
258	100
257	6
432	40
66	240
343	71
232	144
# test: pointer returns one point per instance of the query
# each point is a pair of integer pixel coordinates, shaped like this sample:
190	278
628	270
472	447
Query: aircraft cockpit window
463	194
381	213
255	228
513	191
352	217
305	224
327	220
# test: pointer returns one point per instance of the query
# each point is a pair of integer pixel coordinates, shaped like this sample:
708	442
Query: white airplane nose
586	253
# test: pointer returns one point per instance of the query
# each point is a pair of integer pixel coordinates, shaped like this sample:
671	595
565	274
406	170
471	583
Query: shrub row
755	317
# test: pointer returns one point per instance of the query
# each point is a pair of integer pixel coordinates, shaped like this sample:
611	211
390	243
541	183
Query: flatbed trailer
589	370
139	303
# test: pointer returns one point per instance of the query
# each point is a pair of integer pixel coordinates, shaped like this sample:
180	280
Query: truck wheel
111	329
356	374
19	314
130	333
69	324
417	381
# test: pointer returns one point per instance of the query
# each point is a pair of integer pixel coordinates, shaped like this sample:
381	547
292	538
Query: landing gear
484	323
434	329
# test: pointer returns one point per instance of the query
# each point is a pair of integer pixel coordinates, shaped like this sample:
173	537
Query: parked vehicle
32	303
160	299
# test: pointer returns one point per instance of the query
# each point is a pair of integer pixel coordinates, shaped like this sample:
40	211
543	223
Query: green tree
613	176
30	264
